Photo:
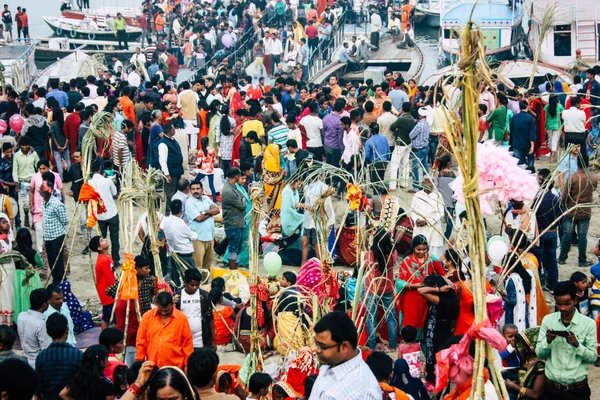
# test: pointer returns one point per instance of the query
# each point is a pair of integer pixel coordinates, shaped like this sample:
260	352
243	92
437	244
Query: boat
18	62
51	49
510	73
574	36
427	12
88	29
131	14
75	65
500	22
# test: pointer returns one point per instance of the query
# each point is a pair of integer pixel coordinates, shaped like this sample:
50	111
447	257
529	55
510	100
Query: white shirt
179	236
385	122
93	91
574	120
138	57
64	310
179	195
273	47
311	194
143	222
191	306
117	64
134	79
351	380
313	126
107	190
163	154
375	22
31	325
351	145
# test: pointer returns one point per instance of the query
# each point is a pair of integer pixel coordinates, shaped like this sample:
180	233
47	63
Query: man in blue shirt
398	96
57	364
290	93
522	137
200	212
377	153
59	95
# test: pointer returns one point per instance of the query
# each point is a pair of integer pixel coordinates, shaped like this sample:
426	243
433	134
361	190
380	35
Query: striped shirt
56	365
119	141
351	380
420	135
32	332
279	135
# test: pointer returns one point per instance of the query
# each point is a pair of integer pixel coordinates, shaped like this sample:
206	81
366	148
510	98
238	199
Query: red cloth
537	106
173	66
414	306
105	277
132	327
377	282
312	32
112	363
71	129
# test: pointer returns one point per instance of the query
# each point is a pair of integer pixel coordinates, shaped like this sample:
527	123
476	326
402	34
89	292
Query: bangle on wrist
135	389
522	392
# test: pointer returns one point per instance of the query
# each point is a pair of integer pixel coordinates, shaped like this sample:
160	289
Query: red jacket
173	66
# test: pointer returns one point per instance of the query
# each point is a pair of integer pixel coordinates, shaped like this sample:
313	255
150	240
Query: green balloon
272	263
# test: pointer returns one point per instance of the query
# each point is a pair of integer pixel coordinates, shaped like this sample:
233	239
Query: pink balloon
227	40
16	123
3	126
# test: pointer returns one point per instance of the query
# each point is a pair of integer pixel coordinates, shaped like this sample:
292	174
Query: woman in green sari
531	372
244	255
26	280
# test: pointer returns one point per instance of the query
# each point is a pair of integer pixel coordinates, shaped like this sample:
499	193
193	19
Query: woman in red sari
413	270
241	115
537	109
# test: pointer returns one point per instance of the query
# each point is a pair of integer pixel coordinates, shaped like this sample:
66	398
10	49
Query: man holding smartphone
567	342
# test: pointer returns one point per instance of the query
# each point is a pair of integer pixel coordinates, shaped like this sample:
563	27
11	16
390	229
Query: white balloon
497	250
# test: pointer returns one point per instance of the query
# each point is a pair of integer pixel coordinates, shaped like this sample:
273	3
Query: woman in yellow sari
520	243
273	179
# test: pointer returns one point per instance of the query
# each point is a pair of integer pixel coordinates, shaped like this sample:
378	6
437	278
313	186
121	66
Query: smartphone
561	333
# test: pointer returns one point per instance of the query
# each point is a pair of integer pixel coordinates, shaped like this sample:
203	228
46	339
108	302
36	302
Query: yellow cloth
290	335
531	263
258	127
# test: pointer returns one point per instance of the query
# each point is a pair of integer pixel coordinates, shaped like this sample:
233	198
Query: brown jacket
579	190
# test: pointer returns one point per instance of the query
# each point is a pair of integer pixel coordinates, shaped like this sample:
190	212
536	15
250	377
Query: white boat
78	64
87	28
500	22
18	60
51	49
510	73
427	12
575	28
131	14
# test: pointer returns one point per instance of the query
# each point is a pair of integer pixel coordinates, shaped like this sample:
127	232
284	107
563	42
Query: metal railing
322	55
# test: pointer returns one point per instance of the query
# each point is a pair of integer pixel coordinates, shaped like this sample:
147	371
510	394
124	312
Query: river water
426	37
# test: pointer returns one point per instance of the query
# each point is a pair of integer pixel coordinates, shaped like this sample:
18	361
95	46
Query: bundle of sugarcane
148	184
545	28
256	214
96	140
463	137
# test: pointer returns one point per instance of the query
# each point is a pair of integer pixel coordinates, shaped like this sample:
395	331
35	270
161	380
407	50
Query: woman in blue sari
244	255
291	218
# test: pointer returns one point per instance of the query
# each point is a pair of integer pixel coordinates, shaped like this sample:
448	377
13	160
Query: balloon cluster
16	123
499	178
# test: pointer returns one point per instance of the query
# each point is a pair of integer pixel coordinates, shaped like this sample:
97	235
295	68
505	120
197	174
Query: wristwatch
203	213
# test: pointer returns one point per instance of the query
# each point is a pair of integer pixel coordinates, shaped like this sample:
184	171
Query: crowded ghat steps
325	60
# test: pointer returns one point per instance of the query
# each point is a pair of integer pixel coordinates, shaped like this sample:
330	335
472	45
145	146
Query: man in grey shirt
234	218
398	96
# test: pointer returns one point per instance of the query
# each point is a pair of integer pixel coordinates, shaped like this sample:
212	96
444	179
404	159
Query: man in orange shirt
164	335
159	23
127	104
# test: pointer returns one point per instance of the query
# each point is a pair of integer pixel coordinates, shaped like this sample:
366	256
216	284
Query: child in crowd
119	379
112	339
382	367
410	350
259	385
105	276
108	169
224	383
483	125
581	283
510	358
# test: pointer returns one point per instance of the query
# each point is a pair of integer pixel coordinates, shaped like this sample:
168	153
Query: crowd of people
217	138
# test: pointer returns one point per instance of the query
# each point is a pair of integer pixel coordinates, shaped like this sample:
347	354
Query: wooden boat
18	60
130	14
87	29
499	21
75	65
427	12
51	49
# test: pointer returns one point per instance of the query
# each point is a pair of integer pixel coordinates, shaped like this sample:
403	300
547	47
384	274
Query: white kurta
429	207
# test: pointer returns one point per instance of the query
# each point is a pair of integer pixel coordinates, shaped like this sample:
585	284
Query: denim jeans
548	246
211	184
333	157
59	156
582	229
524	157
372	301
433	145
449	215
419	160
234	237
